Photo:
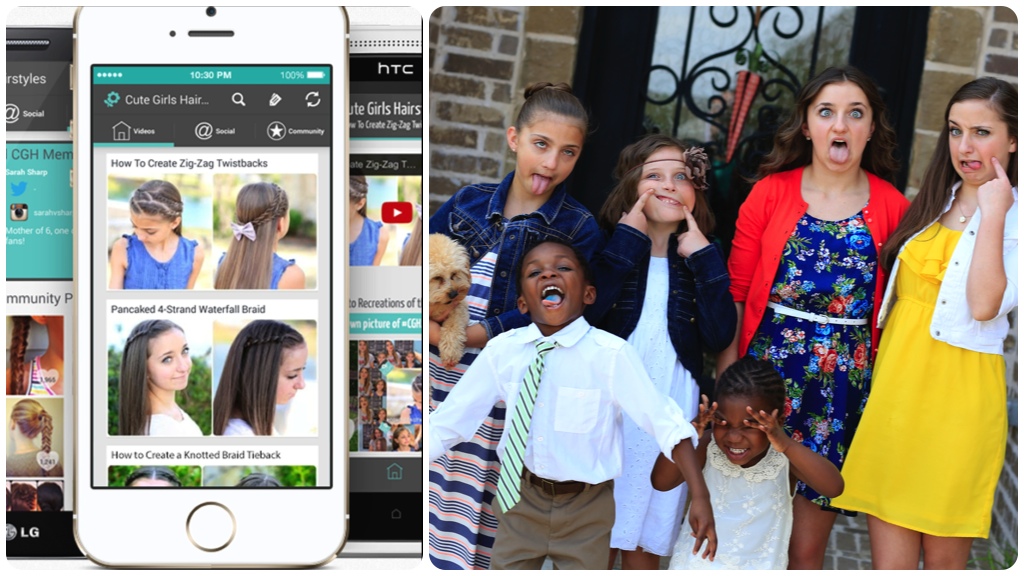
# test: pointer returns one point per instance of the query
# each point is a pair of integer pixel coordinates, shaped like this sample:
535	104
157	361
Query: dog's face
449	275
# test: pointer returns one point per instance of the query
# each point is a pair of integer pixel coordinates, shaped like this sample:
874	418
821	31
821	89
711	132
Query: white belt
817	318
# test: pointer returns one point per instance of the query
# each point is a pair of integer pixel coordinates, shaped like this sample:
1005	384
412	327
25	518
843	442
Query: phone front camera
173	33
211	11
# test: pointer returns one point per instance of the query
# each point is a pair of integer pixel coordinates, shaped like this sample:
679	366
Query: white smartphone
211	306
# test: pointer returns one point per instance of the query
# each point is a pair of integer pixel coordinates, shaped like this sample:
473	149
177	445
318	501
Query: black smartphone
385	284
40	292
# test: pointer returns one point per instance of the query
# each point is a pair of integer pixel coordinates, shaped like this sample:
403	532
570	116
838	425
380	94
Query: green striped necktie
519	429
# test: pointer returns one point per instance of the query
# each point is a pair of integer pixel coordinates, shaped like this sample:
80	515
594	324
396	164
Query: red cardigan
768	218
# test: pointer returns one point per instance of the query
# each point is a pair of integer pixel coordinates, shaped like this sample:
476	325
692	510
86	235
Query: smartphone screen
385	288
40	489
212	276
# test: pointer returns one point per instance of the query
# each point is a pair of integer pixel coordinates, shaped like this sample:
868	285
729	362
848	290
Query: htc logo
389	69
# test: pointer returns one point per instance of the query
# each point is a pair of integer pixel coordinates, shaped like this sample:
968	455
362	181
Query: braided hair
33	420
23	497
750	377
249	263
158	199
248	383
16	383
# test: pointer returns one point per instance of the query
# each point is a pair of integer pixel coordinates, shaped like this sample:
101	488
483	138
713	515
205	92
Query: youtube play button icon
396	212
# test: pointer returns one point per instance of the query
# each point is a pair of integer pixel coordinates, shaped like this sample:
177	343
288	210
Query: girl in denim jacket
954	279
497	223
670	303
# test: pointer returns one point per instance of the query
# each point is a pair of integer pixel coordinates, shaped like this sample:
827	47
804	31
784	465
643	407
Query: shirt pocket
576	409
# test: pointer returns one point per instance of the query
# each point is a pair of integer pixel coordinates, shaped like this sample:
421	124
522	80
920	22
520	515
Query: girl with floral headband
251	262
671	304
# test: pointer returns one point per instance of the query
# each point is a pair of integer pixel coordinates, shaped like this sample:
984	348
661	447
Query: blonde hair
249	263
32	420
412	252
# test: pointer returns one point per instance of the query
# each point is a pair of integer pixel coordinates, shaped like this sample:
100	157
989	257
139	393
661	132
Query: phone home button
210	527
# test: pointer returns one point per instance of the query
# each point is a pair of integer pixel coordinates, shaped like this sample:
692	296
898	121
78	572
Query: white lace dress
644	517
753	510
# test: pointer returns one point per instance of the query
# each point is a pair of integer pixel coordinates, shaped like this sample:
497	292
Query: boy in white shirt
562	443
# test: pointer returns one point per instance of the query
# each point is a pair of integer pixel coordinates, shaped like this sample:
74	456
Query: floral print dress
830	268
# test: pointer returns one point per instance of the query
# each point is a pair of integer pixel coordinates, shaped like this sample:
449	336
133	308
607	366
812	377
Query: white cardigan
952	322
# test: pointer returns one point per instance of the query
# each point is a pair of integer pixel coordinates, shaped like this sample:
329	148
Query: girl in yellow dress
925	483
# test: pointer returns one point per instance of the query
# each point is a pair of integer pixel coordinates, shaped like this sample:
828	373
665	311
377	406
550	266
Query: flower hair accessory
244	230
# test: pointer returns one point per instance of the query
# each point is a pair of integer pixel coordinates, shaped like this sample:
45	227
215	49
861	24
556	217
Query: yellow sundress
930	447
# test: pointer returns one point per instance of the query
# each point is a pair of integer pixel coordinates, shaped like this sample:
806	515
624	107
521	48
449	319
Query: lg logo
406	69
13	532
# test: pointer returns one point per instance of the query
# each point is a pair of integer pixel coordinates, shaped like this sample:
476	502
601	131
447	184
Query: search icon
237	98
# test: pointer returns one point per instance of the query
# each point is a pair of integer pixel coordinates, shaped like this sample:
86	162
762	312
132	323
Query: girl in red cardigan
805	277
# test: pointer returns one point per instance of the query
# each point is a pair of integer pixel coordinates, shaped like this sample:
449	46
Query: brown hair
259	480
32	420
930	201
16	385
545	97
358	189
629	170
396	432
248	383
153	473
792	150
133	391
158	198
249	263
23	497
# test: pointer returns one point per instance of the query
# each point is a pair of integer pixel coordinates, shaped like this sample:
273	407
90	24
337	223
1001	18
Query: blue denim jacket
474	218
701	313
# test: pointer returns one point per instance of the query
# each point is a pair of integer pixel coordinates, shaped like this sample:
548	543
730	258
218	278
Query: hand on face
635	218
771	426
996	196
693	239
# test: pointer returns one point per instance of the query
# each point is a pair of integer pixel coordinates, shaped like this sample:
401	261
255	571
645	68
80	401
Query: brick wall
965	43
481	59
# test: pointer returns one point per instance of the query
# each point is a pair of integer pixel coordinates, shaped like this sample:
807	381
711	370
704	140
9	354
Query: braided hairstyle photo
249	260
248	384
158	199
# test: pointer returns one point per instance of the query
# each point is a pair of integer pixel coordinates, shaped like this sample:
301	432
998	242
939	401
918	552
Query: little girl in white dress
750	467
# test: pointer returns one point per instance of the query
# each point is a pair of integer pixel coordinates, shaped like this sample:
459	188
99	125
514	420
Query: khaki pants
574	530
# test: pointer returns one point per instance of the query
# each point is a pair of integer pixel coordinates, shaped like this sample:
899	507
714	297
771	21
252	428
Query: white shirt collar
565	337
956	187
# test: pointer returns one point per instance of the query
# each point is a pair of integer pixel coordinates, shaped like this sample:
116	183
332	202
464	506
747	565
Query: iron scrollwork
778	80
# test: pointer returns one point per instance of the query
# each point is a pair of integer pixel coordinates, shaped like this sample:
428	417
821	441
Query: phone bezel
274	529
372	37
55	529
